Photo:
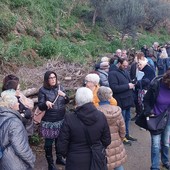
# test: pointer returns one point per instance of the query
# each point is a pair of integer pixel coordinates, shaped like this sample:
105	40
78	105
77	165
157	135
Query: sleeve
63	138
42	101
148	98
104	79
26	101
106	136
19	142
114	84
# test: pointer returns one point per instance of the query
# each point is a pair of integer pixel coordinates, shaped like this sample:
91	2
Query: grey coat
18	155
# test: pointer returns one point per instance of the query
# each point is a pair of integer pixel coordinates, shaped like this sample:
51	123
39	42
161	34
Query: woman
155	102
54	114
25	104
18	155
116	154
92	82
72	141
142	82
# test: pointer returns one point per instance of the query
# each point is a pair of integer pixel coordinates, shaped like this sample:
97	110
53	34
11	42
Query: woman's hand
49	104
61	93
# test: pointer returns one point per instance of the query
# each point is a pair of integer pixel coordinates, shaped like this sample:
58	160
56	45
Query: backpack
2	148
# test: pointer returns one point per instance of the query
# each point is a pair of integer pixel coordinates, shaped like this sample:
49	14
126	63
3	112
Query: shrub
7	21
47	47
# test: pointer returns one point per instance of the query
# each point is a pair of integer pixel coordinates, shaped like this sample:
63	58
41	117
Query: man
118	52
119	81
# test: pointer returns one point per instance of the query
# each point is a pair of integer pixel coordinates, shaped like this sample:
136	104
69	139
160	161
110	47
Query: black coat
147	78
72	141
150	97
119	83
56	113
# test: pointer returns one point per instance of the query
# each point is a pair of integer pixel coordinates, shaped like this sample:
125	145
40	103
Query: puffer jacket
116	154
18	155
56	113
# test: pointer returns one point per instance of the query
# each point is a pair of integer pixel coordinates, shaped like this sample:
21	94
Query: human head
104	93
155	45
124	54
7	78
113	60
122	63
166	78
104	66
139	56
83	95
50	79
104	59
11	84
9	99
118	52
92	80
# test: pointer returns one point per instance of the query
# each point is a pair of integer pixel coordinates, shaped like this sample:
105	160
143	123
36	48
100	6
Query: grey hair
83	95
8	98
104	93
93	78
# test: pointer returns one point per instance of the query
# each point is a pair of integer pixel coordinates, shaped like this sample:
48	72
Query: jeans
126	116
119	168
160	144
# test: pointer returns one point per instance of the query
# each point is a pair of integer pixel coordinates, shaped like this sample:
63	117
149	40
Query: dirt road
138	153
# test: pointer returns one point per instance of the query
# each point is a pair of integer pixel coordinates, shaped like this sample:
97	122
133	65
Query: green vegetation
32	30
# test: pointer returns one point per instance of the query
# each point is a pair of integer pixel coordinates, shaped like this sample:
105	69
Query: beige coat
116	153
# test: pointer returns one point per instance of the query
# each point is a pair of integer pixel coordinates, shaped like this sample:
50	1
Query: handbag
141	121
98	152
157	123
38	114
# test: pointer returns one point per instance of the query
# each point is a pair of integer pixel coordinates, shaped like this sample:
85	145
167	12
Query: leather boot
49	157
60	160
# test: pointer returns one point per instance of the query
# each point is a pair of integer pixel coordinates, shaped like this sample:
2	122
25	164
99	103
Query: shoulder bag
38	114
98	152
157	123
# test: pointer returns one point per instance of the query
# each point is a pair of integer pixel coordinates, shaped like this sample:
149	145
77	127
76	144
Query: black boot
60	160
49	157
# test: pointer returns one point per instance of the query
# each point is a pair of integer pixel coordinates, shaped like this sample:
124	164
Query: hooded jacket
72	141
18	155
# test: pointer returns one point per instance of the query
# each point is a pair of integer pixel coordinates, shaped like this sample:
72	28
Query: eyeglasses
50	78
86	81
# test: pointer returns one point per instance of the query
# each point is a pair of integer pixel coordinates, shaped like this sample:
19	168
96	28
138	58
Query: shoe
127	142
128	137
167	166
60	160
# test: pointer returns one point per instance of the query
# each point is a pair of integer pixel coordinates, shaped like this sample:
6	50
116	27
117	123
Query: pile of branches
70	75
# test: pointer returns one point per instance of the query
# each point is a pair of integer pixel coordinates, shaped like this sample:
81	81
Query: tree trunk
94	17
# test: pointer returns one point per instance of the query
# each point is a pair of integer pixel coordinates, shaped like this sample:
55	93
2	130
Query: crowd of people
103	105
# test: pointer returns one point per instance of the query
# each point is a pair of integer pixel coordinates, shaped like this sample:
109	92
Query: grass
60	29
